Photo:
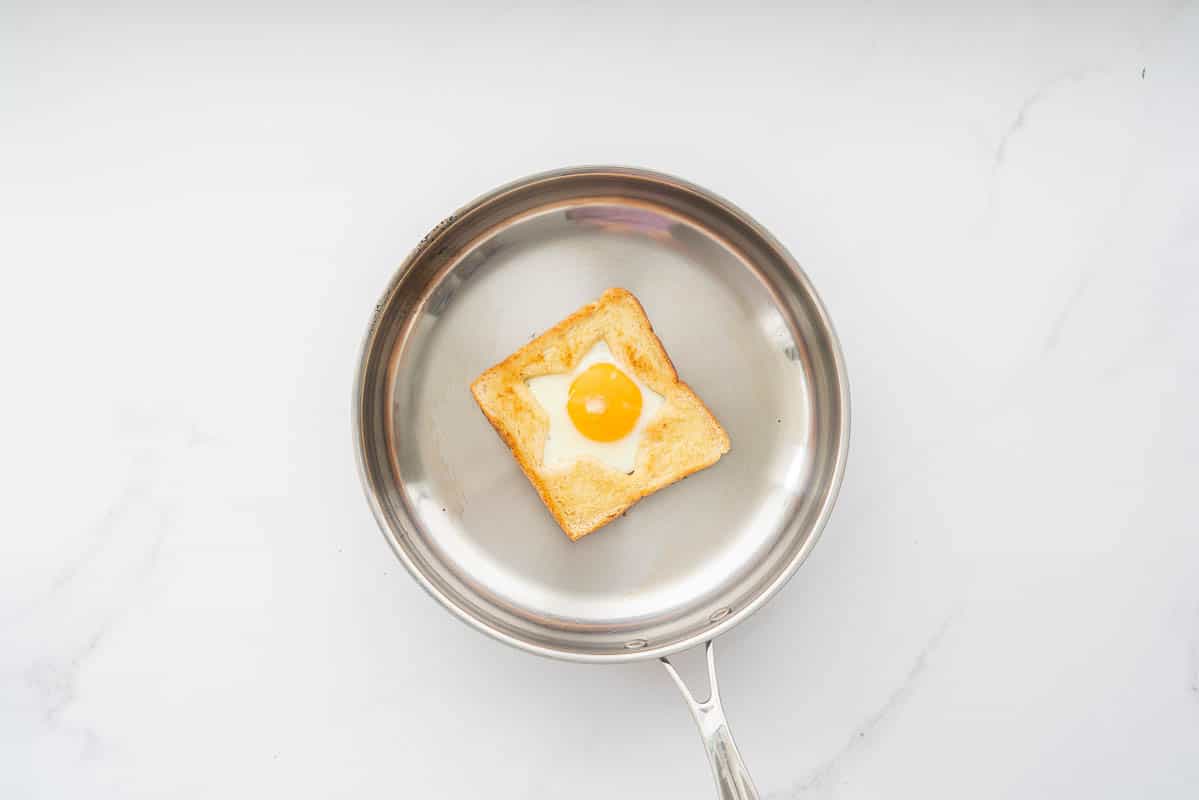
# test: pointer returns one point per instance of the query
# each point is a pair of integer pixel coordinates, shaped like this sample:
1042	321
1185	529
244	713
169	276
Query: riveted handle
728	768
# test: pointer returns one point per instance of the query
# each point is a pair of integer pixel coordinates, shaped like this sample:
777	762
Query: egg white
564	445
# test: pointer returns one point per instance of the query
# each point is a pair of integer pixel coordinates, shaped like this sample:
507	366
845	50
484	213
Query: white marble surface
200	205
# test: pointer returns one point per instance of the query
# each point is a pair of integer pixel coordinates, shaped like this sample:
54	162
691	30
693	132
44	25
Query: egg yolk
604	403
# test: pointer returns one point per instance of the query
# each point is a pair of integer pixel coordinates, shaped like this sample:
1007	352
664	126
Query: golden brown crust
684	437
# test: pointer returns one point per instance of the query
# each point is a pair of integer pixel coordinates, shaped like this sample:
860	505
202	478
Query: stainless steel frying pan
744	328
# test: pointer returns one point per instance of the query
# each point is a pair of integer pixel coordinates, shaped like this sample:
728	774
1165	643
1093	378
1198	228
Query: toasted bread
683	437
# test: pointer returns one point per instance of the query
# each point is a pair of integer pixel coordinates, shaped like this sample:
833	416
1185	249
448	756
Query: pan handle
728	768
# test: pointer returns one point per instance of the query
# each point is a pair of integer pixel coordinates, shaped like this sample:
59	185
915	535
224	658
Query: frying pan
744	328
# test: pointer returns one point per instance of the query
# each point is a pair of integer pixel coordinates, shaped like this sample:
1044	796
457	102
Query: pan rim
769	590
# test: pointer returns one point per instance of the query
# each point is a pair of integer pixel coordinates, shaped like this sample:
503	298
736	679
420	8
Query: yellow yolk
604	403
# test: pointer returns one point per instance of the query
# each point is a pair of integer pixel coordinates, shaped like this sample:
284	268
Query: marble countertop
1000	208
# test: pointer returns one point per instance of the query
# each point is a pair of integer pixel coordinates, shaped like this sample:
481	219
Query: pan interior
681	562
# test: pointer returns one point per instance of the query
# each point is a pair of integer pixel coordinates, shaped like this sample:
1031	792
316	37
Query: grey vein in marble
819	777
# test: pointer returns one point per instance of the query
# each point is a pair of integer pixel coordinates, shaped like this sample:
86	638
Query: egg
598	409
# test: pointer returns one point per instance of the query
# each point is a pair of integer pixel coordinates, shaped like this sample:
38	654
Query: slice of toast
682	437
